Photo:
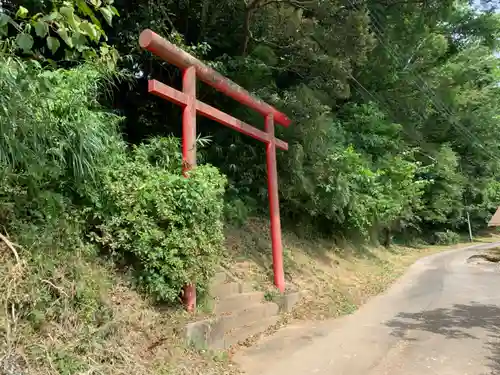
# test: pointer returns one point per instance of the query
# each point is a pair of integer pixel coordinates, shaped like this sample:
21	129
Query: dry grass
334	281
490	255
67	314
79	317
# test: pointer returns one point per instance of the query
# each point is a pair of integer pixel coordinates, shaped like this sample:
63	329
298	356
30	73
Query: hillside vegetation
67	312
394	140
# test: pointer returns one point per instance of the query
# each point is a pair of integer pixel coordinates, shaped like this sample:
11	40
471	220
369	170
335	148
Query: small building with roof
495	219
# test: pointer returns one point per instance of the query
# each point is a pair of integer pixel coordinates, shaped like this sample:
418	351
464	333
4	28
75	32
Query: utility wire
437	103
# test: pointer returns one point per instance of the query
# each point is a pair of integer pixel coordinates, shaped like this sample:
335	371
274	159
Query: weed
272	295
446	238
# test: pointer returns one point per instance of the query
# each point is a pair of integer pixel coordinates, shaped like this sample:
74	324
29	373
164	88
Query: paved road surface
441	318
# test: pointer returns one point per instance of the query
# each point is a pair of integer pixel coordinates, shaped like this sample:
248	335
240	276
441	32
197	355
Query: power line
441	107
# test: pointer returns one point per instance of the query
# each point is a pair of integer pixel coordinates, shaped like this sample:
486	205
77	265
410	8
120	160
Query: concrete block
225	290
243	333
246	288
211	333
220	277
245	316
198	333
287	301
238	302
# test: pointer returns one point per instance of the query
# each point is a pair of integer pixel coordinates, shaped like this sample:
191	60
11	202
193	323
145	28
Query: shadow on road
455	323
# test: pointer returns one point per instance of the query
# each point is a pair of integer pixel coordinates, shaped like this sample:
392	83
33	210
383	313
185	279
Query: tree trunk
246	30
387	238
246	25
203	18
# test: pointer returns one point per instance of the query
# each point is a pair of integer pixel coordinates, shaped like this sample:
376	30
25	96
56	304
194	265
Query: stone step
211	332
238	302
219	290
286	343
220	277
241	334
245	316
228	289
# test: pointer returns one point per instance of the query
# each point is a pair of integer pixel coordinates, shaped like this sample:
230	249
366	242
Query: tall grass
53	137
49	123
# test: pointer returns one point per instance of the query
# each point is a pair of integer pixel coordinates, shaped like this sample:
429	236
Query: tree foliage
68	179
394	104
54	135
69	30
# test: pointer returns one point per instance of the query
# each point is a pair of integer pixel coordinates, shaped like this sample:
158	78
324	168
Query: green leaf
89	29
53	44
4	19
24	41
4	24
51	17
115	11
63	33
45	84
22	12
115	55
66	11
70	54
36	16
104	49
79	41
107	13
89	54
69	14
41	28
96	3
85	9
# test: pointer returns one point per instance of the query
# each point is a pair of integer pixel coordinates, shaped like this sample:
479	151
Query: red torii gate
193	68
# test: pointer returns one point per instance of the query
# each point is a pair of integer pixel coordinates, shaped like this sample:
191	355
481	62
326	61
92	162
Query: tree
394	103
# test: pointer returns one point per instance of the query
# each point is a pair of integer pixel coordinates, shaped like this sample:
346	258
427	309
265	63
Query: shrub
446	238
65	171
169	227
54	137
51	122
236	212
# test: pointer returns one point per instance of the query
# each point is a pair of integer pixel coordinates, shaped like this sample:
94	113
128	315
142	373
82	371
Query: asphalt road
442	317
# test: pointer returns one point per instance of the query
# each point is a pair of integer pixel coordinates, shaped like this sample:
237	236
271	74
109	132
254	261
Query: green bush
65	172
236	212
167	226
52	125
446	238
54	137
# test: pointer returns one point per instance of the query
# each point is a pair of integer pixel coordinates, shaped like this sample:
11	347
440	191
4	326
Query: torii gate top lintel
160	47
193	68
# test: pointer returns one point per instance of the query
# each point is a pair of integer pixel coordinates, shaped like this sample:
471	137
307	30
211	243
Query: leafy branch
73	29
